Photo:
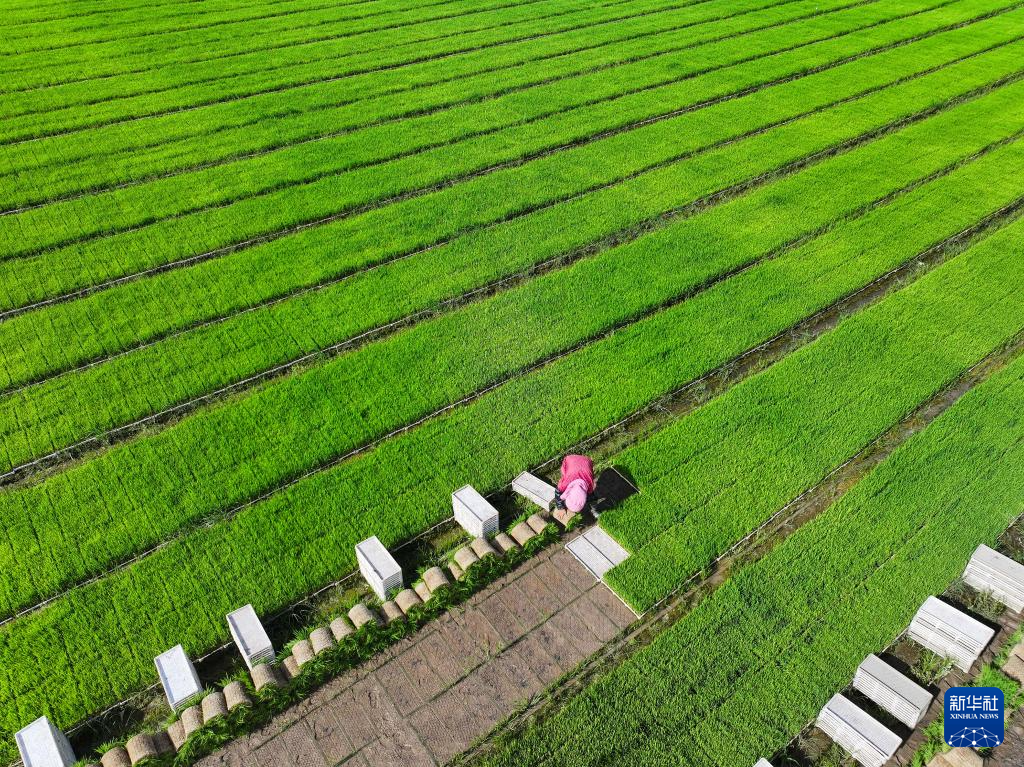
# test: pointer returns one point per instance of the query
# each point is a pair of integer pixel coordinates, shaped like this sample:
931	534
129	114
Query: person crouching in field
576	483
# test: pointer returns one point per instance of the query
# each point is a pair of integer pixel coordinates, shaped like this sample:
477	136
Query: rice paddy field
280	275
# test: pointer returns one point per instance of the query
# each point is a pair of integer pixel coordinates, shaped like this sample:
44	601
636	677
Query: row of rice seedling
694	506
137	311
342	105
123	209
232	129
412	46
144	51
517	105
151	96
797	623
44	25
161	481
132	23
66	409
276	551
92	217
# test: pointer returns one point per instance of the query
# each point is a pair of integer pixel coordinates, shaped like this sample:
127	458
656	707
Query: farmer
576	484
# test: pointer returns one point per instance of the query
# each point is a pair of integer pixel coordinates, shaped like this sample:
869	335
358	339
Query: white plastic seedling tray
250	636
378	567
43	745
950	633
870	742
178	676
534	489
472	511
998	575
597	551
900	696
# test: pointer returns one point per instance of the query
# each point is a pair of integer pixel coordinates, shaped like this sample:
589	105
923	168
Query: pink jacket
577	467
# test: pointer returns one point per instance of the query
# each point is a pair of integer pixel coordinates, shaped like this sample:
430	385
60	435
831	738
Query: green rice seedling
930	669
251	464
638	90
799	621
60	166
353	242
39	420
438	456
32	351
353	54
523	63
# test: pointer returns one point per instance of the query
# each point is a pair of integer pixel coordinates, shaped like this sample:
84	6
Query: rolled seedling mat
482	548
264	674
564	516
392	611
360	615
464	557
422	591
406	600
1014	668
537	523
214	705
522	533
236	695
435	578
162	743
341	627
290	667
176	732
505	543
192	719
116	757
302	651
321	640
141	747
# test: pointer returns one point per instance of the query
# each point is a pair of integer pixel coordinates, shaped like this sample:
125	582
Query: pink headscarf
575	496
